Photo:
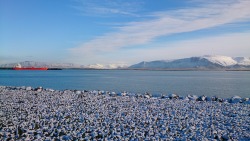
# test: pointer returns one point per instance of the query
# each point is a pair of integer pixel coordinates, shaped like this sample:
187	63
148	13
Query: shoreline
46	114
148	69
234	99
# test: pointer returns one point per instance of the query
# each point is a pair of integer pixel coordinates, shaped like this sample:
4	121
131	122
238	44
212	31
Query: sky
121	31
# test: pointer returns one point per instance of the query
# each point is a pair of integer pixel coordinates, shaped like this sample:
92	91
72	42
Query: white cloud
236	44
107	7
167	23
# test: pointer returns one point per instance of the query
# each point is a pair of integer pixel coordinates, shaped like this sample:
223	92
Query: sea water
221	83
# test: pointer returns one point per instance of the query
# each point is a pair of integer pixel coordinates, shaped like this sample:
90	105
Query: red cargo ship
19	67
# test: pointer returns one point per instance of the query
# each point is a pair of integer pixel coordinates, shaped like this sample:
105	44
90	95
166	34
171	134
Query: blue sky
121	32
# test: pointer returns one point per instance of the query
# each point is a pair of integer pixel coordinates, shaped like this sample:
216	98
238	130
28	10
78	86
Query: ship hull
30	68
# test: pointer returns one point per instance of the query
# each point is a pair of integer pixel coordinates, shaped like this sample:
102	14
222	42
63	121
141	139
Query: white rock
124	93
235	99
147	96
51	90
28	88
78	92
246	101
173	96
202	98
192	97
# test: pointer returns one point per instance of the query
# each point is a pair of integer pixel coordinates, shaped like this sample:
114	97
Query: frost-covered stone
28	88
220	99
173	96
39	89
78	92
23	87
201	98
192	97
51	90
246	101
164	96
225	137
66	138
235	99
65	115
214	98
124	93
147	95
113	94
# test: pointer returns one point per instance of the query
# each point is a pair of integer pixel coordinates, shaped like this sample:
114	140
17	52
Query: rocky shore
45	114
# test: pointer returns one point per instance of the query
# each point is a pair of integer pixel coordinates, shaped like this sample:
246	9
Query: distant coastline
146	69
2	68
202	63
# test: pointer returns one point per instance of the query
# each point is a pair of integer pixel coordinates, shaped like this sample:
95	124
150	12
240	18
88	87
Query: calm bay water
221	83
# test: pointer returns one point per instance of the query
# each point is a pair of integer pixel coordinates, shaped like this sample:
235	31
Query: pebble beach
45	114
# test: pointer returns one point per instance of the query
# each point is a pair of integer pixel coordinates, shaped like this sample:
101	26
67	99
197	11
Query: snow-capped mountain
41	64
221	60
244	61
204	62
109	66
64	65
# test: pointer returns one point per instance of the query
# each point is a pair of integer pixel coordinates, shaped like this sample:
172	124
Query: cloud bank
165	23
229	45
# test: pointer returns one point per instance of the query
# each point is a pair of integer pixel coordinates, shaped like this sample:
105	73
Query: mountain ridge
203	62
64	65
41	64
206	62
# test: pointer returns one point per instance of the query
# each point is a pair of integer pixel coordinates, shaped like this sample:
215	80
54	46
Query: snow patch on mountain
64	65
108	66
221	60
41	64
244	61
203	62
